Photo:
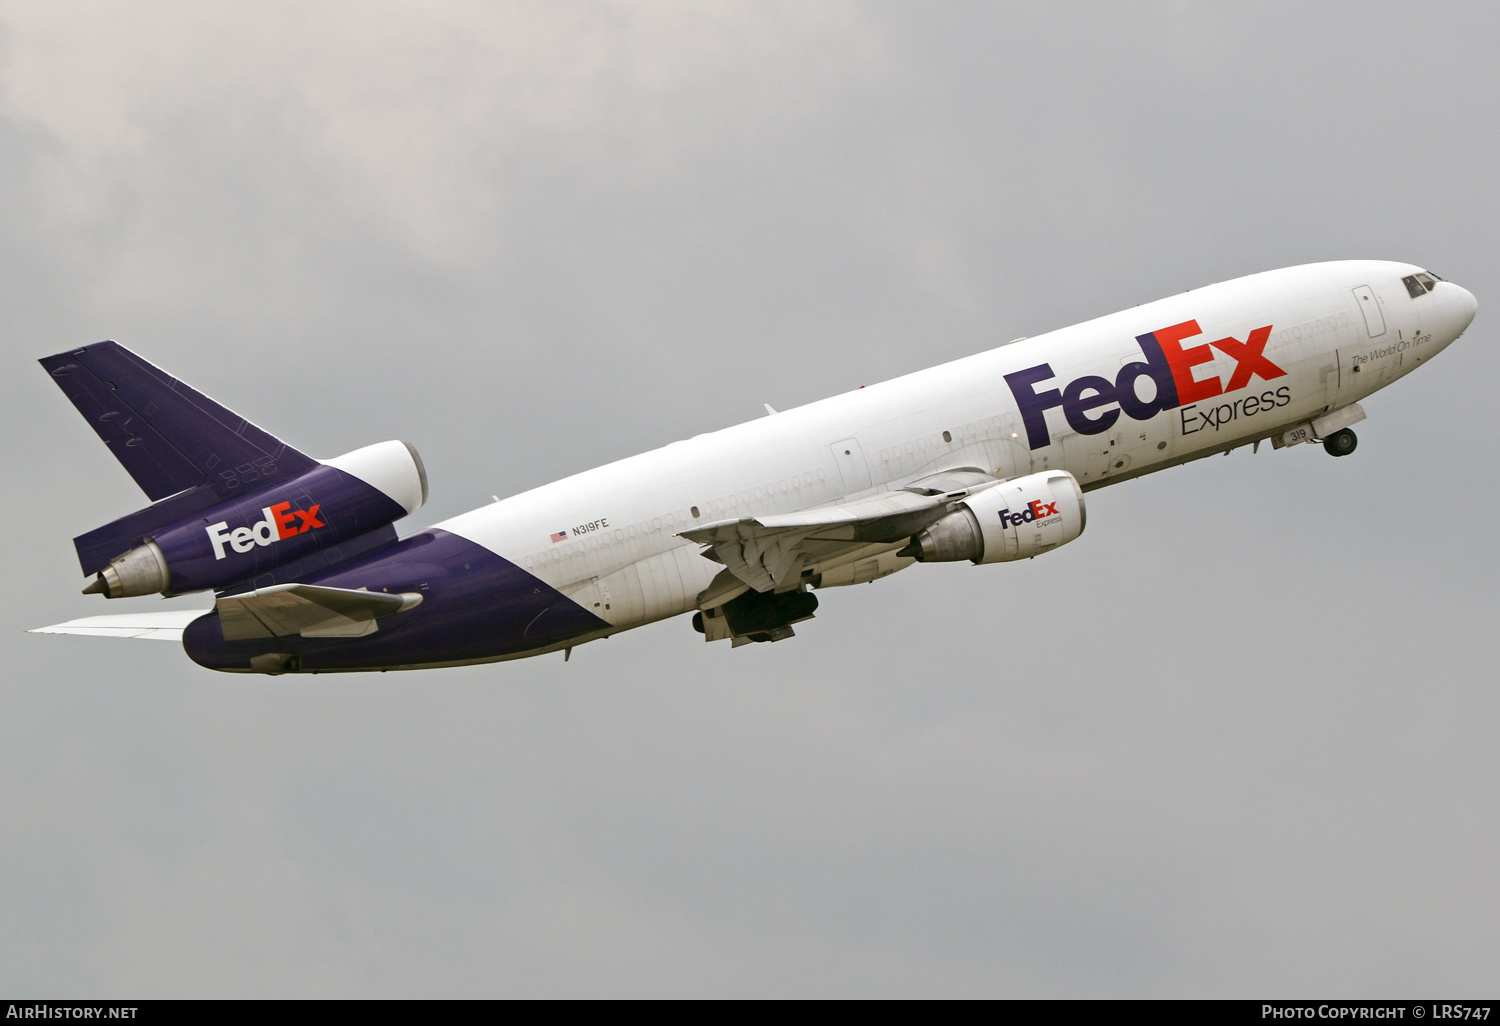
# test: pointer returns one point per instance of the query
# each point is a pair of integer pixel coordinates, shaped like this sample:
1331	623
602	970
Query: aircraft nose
1464	306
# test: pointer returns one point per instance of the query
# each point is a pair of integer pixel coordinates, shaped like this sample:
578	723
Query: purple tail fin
169	437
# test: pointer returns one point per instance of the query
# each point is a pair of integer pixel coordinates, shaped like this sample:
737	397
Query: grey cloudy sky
1238	740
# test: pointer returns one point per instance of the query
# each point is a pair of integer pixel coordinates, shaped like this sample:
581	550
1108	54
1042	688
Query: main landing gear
1340	443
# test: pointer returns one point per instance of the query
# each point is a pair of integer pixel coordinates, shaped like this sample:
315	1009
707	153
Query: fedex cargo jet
984	459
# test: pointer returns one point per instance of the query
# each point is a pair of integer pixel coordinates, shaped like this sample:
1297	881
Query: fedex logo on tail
1092	404
281	522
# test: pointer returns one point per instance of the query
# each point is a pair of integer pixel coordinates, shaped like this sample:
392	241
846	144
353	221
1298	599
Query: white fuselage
609	538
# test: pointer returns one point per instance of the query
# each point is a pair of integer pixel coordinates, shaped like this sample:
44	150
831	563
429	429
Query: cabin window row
729	503
971	433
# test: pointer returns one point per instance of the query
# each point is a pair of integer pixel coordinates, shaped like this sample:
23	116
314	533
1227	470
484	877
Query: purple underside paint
475	605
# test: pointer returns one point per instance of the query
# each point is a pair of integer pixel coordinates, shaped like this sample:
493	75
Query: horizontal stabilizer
166	625
168	436
310	610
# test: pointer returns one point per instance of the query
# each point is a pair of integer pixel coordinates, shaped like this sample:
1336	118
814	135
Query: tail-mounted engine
334	502
1015	519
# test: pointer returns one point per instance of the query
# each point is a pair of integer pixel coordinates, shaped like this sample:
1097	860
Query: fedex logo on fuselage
1168	364
281	522
1033	511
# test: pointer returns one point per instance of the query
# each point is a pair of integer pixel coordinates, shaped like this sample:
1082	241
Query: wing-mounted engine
347	502
770	561
1016	519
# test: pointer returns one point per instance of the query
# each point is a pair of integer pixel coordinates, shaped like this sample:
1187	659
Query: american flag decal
560	536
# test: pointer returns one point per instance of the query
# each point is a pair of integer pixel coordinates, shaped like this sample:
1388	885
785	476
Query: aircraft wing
309	610
771	552
165	625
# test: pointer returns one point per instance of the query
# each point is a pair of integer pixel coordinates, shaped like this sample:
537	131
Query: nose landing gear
1340	443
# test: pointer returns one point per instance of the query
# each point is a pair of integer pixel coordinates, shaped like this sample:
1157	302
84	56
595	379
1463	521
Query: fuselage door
1370	307
851	464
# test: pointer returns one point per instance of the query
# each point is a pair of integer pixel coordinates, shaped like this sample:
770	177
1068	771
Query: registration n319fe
984	459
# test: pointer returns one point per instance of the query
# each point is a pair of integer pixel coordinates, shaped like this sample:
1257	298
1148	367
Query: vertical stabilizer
168	436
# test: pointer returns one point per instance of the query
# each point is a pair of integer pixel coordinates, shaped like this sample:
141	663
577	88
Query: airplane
985	459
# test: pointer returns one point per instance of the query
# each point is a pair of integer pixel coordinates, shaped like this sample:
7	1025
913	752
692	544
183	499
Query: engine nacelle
338	500
1015	519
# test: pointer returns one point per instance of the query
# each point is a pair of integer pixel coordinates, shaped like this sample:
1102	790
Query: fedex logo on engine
1035	510
281	522
1092	404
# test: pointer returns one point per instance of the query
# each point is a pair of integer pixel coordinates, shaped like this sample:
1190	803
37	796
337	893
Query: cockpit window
1420	284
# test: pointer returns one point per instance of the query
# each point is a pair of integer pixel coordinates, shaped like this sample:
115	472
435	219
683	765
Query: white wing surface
267	613
770	552
165	625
